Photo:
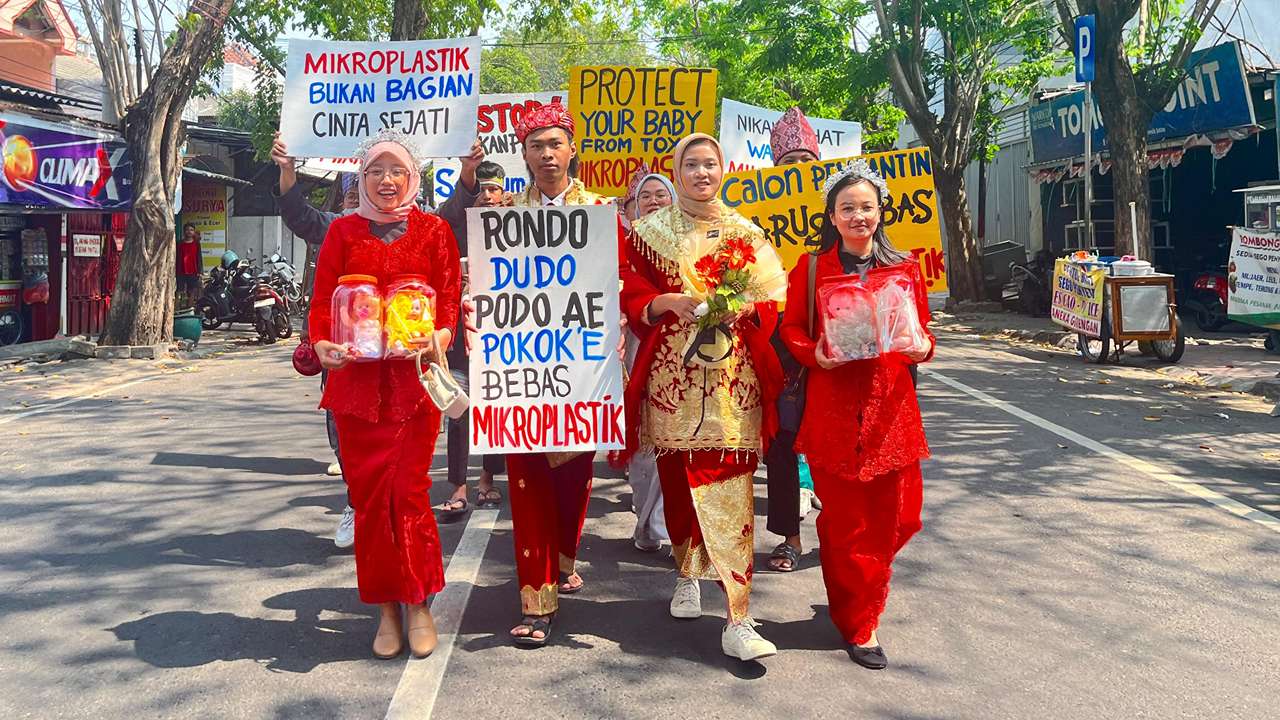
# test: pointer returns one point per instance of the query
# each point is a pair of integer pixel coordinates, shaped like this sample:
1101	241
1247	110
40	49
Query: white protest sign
337	94
496	123
545	373
744	136
1253	277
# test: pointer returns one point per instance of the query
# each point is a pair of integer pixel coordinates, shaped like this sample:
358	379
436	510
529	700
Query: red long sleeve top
387	390
861	419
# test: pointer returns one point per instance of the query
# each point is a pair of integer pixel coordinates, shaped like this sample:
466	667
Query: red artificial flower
738	253
709	271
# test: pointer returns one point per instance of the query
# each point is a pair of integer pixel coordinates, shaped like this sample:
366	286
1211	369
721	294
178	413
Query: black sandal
539	623
449	510
572	589
784	551
488	498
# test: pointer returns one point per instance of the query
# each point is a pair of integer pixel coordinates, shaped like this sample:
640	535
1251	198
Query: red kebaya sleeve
637	290
795	321
446	278
922	308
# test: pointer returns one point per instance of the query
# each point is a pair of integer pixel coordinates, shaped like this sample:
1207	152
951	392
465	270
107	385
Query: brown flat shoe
388	643
423	637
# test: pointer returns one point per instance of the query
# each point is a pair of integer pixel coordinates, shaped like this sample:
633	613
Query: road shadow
265	465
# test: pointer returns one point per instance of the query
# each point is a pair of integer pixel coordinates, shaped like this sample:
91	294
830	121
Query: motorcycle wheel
1272	343
266	332
10	327
283	326
1210	320
208	315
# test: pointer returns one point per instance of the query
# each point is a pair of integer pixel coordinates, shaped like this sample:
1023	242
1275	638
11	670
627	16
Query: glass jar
410	315
357	316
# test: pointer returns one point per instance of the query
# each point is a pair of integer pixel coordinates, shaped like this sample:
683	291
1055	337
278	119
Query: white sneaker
740	640
686	601
345	536
334	470
806	501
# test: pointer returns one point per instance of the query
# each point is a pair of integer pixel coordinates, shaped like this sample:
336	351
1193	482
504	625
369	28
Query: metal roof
44	98
216	177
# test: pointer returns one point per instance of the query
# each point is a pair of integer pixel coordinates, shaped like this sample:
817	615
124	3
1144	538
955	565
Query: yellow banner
1077	296
626	116
205	206
787	203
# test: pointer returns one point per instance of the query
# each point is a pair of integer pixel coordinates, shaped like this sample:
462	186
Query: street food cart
1113	302
1253	266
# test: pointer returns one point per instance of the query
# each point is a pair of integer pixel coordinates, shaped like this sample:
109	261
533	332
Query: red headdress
553	114
792	132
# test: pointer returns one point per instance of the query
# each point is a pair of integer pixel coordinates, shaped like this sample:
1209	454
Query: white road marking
419	686
1212	497
41	409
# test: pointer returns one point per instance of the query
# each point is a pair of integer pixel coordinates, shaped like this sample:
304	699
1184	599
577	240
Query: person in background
189	262
312	224
861	431
491	178
387	424
647	192
792	140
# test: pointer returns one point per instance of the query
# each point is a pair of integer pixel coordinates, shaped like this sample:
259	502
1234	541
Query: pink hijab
405	202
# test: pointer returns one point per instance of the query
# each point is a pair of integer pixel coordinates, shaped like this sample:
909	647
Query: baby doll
409	323
900	329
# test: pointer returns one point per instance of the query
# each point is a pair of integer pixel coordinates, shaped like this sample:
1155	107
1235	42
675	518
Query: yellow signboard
205	206
1077	296
787	203
626	116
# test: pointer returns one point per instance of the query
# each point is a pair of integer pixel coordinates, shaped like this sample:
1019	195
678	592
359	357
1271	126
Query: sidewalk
1233	360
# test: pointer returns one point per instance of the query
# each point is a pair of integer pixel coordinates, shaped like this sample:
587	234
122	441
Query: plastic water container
1131	268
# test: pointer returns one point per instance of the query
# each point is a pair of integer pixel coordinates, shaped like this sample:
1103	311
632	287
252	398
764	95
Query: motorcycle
284	279
1208	299
1030	285
235	293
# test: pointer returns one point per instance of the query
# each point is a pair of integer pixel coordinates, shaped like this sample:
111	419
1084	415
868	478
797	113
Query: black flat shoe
872	658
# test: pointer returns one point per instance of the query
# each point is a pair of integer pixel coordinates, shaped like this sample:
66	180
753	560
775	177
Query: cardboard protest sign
545	372
787	203
744	136
1253	277
336	94
496	123
627	116
1077	296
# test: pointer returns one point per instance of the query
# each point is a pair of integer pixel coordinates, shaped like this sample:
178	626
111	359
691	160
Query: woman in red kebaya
387	423
861	431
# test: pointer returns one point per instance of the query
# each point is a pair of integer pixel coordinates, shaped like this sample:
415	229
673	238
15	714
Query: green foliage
508	70
579	34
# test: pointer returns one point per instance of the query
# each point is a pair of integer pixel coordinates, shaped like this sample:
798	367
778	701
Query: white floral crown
860	170
395	136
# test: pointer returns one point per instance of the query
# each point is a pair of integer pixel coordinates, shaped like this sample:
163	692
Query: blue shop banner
52	165
1213	96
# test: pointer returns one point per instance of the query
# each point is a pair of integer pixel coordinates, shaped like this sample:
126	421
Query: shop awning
1161	155
216	177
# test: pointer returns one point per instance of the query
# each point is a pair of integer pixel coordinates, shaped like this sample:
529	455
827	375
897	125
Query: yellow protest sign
787	203
1077	296
626	116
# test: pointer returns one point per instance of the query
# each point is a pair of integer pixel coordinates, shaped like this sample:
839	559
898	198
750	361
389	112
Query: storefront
1210	140
65	192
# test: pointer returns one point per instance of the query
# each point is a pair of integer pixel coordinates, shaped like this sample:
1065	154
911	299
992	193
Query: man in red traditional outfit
549	491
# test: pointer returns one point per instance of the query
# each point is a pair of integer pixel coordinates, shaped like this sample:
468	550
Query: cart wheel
1272	343
1096	350
10	327
1145	348
1171	350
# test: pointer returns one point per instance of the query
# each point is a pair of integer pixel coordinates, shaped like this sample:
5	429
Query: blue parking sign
1086	31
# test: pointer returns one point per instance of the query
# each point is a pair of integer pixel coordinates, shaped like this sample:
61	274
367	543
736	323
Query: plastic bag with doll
849	320
410	322
357	317
900	328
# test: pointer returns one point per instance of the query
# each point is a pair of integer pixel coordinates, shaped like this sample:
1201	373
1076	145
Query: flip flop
450	508
488	498
539	624
573	590
784	551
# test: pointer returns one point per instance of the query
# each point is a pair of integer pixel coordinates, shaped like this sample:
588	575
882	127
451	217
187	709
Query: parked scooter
235	293
284	279
1207	299
1030	285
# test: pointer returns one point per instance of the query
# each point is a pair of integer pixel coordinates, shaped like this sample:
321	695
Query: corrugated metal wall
1008	211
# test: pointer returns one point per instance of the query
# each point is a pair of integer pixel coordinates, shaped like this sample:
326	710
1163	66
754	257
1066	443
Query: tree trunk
408	20
142	306
964	259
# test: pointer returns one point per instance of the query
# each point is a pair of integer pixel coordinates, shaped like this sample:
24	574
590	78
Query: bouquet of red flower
726	275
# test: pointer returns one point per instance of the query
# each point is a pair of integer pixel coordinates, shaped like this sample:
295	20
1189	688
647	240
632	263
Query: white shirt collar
558	200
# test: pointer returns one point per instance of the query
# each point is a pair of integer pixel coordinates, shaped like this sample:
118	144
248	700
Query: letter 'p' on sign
1086	28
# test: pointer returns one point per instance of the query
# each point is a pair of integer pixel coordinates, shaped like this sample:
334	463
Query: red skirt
386	466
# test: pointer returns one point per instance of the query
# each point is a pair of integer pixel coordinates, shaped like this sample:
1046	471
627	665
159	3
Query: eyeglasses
377	173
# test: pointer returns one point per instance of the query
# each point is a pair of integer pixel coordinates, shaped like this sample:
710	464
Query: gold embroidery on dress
725	515
543	601
567	564
576	194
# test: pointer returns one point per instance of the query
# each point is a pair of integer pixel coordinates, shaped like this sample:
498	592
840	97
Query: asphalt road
165	552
